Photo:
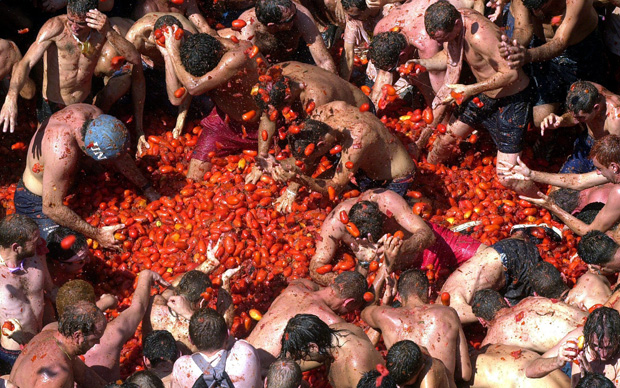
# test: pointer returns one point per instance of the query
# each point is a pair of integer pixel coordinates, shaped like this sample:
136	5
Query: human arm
195	16
138	96
181	116
126	166
524	22
83	375
346	61
555	358
329	237
307	26
99	22
172	82
383	78
438	62
554	121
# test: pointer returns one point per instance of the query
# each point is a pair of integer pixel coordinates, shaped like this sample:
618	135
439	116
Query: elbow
134	58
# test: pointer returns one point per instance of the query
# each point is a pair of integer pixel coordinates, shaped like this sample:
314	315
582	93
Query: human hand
543	200
519	171
10	327
512	52
211	250
340	13
284	204
97	21
53	5
552	121
142	145
154	277
107	301
499	8
8	115
567	352
105	236
180	305
283	173
254	175
464	92
391	248
171	42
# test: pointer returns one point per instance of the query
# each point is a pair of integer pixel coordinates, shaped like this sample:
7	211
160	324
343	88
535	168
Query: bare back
590	290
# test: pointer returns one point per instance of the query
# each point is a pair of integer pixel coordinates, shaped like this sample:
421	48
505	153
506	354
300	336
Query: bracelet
147	186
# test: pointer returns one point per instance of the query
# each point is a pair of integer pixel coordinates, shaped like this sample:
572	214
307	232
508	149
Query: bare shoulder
244	349
52	28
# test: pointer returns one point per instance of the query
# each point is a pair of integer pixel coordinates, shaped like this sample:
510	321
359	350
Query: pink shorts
449	250
224	137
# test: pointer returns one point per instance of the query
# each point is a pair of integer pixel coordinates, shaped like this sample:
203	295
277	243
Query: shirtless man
411	366
363	139
343	347
159	350
23	280
9	57
66	264
379	215
188	9
51	358
547	321
71	45
308	85
601	351
441	333
54	158
501	99
219	357
600	252
303	296
574	201
606	159
275	26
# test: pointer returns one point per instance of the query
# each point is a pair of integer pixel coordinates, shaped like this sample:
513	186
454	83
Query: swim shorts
518	257
31	205
7	360
46	108
579	162
450	249
224	136
400	185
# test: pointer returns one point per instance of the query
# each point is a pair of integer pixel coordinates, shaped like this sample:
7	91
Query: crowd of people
304	88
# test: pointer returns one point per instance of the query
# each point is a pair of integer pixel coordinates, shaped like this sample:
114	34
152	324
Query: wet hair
200	53
207	329
588	214
193	284
283	373
404	360
58	253
369	380
270	11
303	330
81	7
596	248
167	20
123	385
350	285
546	280
73	292
368	219
385	49
145	379
440	16
275	92
82	317
603	321
413	282
160	346
594	380
606	150
16	228
312	131
582	96
566	199
533	5
486	303
359	4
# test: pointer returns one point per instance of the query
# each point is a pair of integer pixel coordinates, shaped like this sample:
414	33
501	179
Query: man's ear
536	293
614	167
147	363
348	302
78	337
15	247
482	322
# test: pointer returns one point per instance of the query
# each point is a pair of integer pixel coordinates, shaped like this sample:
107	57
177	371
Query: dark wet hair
369	380
350	285
403	361
594	380
303	330
193	284
566	199
145	379
596	248
582	96
385	49
413	282
534	5
312	131
81	7
606	150
200	53
359	4
546	280
274	91
603	321
72	292
123	385
16	228
368	219
589	212
283	373
167	20
486	303
81	317
58	253
207	329
160	346
270	11
440	16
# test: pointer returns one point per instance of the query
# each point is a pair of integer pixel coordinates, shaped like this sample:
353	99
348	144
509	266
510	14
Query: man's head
594	380
404	361
386	49
535	5
276	14
349	287
583	101
486	304
442	21
283	373
73	292
602	332
546	280
605	155
355	8
312	132
567	199
167	21
200	53
208	330
413	283
192	285
20	234
145	379
76	14
273	91
368	219
69	260
373	379
105	138
597	249
160	347
306	337
83	323
589	212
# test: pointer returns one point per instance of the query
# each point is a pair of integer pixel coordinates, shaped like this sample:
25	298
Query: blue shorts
31	205
7	360
567	369
400	185
579	162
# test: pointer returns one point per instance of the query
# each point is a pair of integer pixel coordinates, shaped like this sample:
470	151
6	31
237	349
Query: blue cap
105	138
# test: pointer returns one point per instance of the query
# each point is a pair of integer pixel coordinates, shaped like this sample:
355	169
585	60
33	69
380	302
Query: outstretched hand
512	52
519	171
543	200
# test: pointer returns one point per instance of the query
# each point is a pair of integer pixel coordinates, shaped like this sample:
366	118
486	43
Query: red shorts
224	137
449	250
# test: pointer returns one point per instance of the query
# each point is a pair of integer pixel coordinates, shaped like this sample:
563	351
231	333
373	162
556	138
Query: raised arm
195	16
99	21
312	36
555	358
330	236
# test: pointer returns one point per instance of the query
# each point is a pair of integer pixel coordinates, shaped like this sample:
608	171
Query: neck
412	301
326	294
66	345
